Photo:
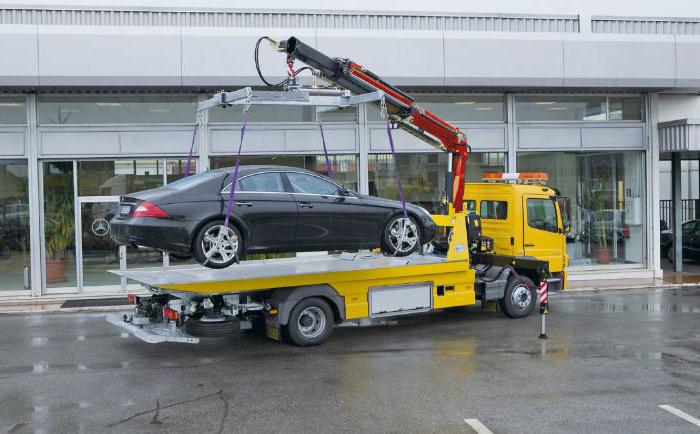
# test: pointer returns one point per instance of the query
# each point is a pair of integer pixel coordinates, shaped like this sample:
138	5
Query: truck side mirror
565	210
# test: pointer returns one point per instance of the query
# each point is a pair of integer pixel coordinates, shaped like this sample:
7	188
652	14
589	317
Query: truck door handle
248	204
304	205
529	245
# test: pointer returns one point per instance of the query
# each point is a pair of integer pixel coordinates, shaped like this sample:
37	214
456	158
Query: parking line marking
681	414
478	426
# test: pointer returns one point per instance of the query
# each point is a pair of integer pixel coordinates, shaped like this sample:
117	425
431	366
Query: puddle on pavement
631	307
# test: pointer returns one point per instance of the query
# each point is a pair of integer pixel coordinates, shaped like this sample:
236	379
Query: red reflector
170	314
147	209
132	299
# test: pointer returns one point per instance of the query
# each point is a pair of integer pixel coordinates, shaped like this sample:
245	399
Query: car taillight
132	299
147	209
170	314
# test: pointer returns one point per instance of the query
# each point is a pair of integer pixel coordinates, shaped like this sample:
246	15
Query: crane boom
401	107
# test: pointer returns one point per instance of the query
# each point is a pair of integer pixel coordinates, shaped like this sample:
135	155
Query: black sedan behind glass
275	209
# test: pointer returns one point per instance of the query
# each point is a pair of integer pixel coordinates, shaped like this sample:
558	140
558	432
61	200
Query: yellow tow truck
303	298
524	218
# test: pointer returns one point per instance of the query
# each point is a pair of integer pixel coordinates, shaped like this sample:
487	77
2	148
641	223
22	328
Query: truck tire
211	328
520	297
310	323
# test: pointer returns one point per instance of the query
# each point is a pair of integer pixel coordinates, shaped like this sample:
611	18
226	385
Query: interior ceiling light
108	104
159	110
556	108
10	104
483	109
465	102
545	102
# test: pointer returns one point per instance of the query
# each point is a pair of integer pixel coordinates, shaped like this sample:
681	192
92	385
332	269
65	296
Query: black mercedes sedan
275	209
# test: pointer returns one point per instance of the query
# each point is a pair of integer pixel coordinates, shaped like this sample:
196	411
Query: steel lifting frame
324	99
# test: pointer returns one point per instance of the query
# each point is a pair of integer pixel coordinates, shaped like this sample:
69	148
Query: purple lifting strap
327	161
189	156
234	173
396	164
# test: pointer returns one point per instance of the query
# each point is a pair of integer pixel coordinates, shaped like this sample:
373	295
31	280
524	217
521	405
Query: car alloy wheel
403	235
219	244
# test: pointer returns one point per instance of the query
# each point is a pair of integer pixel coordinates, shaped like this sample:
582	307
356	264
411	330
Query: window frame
581	121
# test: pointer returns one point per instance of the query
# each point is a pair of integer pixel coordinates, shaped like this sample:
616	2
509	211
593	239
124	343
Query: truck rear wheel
310	323
520	297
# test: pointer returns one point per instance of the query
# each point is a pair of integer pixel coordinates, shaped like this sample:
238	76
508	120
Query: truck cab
523	216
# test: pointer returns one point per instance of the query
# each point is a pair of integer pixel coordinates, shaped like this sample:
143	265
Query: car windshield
191	180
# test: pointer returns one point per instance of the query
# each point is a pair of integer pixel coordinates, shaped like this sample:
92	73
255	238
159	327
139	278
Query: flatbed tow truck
301	299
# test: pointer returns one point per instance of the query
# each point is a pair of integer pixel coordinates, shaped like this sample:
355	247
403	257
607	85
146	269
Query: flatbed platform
275	273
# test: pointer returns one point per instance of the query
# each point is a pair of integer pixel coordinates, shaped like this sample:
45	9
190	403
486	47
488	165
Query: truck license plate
272	329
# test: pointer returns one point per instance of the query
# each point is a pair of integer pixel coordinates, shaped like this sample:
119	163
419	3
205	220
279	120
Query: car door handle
248	204
529	245
304	205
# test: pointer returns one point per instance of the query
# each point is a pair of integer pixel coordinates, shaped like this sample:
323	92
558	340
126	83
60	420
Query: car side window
542	214
494	209
688	229
270	182
302	183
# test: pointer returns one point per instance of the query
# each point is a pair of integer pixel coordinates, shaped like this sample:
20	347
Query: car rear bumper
160	234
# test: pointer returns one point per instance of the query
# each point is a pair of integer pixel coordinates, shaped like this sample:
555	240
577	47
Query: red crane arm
401	107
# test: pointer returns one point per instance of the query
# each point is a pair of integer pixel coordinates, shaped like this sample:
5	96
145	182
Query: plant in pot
600	226
59	236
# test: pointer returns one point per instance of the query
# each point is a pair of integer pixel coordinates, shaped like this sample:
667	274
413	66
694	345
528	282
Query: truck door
542	237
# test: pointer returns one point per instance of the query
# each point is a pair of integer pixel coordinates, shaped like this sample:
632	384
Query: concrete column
653	187
677	202
363	142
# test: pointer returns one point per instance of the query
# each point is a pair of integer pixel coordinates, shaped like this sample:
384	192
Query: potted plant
59	236
600	225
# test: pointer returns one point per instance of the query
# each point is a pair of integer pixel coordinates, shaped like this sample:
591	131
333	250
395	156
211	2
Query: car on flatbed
274	209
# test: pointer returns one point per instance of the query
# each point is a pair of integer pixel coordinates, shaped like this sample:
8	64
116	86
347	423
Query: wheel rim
311	322
403	235
220	244
521	297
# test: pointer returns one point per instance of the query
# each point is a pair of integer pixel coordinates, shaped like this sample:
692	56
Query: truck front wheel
520	297
310	322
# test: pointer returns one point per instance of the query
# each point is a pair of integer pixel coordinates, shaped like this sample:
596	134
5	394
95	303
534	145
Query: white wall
678	106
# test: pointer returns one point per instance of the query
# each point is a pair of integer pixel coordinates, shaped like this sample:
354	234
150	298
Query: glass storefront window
343	167
13	111
175	168
117	177
560	108
14	225
53	110
480	162
456	108
625	108
607	192
273	113
422	177
59	221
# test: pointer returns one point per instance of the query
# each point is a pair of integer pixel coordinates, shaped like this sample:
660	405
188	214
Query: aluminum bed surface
272	273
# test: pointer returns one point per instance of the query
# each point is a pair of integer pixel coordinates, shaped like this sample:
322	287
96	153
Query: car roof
255	168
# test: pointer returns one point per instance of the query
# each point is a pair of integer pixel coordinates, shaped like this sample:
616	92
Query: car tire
520	297
388	244
215	328
217	260
310	323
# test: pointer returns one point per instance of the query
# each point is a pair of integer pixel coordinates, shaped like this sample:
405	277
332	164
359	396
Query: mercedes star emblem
100	227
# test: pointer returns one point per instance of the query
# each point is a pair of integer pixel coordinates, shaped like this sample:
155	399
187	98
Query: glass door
96	251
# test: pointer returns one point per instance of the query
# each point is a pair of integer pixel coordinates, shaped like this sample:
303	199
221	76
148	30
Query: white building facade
100	101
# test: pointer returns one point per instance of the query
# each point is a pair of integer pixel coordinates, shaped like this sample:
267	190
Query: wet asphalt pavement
611	360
